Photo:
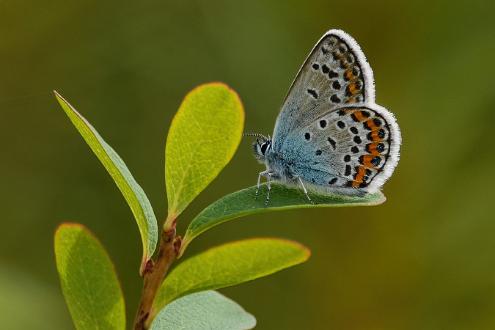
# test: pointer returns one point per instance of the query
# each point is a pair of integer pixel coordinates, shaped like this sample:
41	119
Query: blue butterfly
330	135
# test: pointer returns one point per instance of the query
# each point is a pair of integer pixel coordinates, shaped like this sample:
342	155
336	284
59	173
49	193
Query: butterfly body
330	135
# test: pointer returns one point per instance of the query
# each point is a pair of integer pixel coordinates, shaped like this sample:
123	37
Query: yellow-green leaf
228	265
244	202
203	310
115	166
202	139
89	283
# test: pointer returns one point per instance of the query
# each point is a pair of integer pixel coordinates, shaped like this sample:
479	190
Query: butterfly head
261	146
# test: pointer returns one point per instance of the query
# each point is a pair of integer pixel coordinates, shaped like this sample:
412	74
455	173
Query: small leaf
115	166
228	265
244	202
202	139
89	283
203	310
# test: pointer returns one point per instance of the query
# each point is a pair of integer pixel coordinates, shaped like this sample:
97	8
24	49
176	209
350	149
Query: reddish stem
154	273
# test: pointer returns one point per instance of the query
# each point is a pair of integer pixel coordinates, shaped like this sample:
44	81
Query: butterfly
330	135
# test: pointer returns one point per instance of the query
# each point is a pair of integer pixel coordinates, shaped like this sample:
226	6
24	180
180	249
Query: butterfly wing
330	131
335	73
353	147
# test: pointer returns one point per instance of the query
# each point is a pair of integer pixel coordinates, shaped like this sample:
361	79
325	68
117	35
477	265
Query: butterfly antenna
258	135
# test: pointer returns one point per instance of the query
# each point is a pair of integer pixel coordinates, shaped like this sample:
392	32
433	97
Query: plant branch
154	273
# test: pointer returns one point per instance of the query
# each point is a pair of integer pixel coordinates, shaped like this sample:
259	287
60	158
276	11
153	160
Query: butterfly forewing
334	74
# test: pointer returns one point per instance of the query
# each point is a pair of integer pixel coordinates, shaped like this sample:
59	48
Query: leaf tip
65	225
305	251
224	86
66	106
234	93
212	83
59	97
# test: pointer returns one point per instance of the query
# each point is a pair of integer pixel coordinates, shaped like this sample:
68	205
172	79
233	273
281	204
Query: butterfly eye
264	146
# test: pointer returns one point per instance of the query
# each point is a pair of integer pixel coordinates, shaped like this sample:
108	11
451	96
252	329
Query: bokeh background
423	260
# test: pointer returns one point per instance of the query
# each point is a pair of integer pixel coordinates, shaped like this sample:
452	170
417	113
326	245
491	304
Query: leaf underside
88	279
115	166
202	139
230	264
244	202
203	310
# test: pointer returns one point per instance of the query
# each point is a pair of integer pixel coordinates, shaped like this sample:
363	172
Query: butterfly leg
268	177
261	174
305	191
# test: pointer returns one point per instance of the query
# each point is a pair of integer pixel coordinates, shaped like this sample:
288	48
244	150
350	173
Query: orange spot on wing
349	75
359	116
375	137
371	124
353	89
367	161
358	179
371	148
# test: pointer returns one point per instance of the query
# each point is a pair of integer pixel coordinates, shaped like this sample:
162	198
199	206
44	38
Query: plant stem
154	274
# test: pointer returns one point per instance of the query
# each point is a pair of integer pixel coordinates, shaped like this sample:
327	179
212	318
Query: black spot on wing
332	142
313	93
335	99
347	170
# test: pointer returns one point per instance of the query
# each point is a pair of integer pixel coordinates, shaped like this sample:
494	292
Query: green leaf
133	193
203	310
89	283
202	139
244	202
228	265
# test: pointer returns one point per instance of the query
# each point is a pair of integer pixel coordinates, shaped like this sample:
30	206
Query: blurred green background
423	260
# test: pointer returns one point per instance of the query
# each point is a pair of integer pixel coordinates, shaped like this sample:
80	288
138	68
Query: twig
154	273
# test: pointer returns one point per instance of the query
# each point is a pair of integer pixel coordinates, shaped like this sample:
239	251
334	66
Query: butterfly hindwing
350	147
334	74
